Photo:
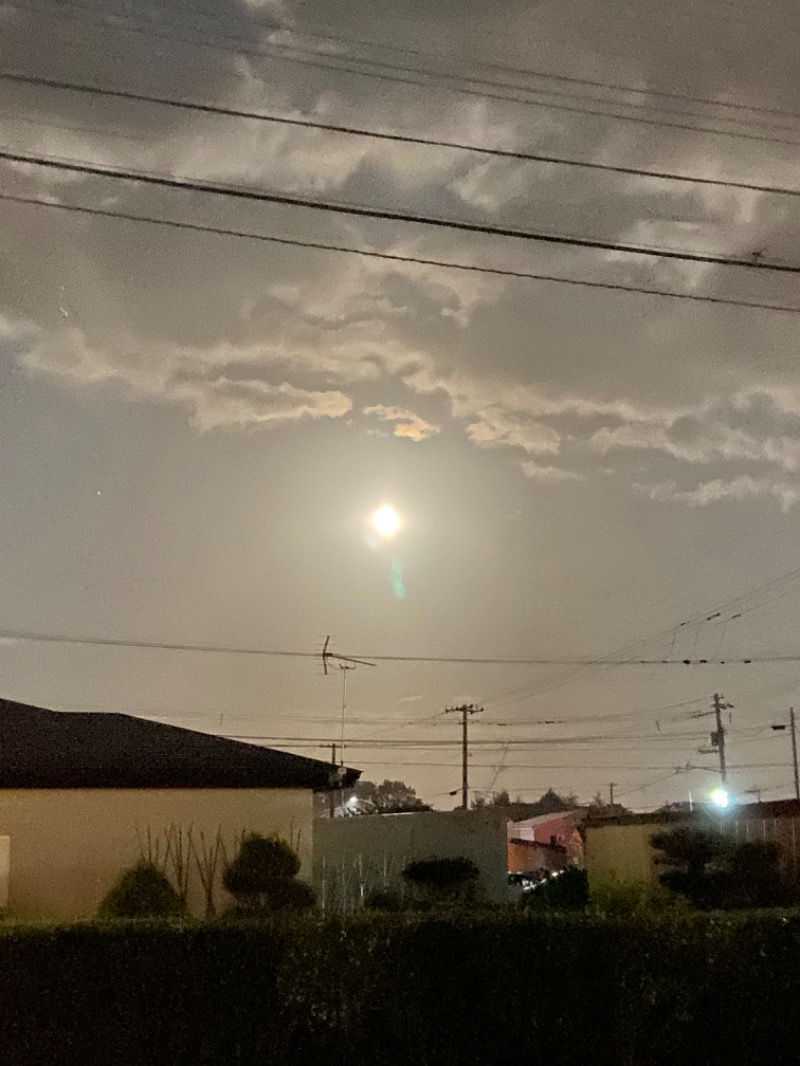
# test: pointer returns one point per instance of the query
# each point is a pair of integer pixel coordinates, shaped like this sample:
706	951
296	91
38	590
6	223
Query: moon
386	521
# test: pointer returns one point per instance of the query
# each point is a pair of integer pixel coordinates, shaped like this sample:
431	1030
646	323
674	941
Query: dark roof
65	749
785	808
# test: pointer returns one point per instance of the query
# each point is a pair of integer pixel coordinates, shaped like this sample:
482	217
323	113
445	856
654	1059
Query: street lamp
721	799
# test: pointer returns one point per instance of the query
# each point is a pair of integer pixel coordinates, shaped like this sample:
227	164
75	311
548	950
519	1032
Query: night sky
195	429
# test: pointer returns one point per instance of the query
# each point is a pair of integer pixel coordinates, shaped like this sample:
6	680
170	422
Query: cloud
694	441
214	399
497	428
407	424
226	404
549	475
738	489
494	184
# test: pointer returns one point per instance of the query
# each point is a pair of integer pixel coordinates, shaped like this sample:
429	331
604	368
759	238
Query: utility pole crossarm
466	711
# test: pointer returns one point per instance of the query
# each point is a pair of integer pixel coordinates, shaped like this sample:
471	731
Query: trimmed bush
619	896
262	877
444	880
384	899
142	892
389	990
568	891
714	872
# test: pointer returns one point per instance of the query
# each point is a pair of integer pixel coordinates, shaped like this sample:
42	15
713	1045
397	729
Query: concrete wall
354	855
68	846
621	852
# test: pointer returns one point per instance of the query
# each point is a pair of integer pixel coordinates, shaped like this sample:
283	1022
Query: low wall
353	856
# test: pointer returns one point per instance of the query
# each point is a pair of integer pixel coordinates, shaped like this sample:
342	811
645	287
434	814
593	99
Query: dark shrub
568	891
262	877
384	899
716	873
142	892
444	880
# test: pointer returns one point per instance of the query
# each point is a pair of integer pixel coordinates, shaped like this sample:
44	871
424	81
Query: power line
27	637
306	31
384	215
578	742
573	96
397	257
356	131
527	72
729	606
406	75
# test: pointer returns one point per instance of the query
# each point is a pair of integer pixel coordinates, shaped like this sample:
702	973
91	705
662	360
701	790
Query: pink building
545	843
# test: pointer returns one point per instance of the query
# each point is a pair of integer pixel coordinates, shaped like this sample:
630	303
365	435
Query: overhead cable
396	257
399	138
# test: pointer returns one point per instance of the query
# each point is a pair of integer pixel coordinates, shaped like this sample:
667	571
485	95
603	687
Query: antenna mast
331	660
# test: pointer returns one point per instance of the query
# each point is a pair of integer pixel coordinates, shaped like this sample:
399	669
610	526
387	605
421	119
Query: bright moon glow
386	521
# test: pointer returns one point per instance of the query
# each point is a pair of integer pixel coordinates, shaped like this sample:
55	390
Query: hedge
392	990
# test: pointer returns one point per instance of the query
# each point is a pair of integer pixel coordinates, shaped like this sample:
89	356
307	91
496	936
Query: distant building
82	796
545	843
620	848
355	856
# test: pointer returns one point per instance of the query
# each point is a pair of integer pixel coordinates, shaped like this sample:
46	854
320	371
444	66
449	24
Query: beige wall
354	855
67	846
621	852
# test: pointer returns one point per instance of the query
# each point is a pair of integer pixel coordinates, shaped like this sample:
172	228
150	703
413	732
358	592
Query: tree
598	808
712	871
262	876
142	891
551	803
496	799
390	797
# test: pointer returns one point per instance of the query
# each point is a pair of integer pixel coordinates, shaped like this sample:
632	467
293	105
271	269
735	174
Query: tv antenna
332	661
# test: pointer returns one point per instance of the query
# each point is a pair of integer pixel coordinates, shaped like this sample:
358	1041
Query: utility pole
611	794
718	737
793	729
466	711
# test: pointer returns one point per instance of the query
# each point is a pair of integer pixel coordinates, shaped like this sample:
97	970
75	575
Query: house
545	843
619	849
82	796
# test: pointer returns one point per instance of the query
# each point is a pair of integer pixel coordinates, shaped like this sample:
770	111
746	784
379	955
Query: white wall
354	855
68	846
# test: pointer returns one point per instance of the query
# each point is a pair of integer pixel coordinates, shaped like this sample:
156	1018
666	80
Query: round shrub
142	892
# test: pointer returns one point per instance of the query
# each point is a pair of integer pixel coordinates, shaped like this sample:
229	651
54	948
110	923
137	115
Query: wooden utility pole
611	794
466	711
718	737
793	729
